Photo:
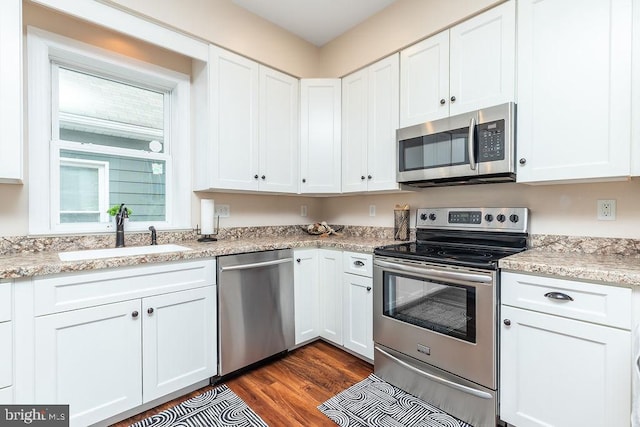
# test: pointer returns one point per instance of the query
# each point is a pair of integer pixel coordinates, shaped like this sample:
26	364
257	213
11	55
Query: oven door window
444	308
434	151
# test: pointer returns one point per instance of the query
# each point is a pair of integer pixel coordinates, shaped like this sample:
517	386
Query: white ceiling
317	21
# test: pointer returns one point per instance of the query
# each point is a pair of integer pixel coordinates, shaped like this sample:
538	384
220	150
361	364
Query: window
114	130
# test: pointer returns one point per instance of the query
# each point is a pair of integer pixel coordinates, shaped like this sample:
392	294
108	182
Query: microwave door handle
472	143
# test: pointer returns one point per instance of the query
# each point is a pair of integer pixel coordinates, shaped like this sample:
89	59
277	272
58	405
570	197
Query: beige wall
399	25
229	26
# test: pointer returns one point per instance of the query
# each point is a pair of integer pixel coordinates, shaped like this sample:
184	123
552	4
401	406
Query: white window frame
103	183
43	48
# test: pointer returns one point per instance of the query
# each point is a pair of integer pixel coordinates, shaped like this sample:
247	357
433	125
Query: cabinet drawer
6	355
605	305
5	301
79	290
357	263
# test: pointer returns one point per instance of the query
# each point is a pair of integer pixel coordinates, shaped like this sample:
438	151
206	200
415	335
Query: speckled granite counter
611	261
20	265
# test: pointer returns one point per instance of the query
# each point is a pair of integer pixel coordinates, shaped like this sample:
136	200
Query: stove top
470	237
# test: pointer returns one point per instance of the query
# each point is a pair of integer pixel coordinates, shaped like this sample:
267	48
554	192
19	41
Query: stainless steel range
436	307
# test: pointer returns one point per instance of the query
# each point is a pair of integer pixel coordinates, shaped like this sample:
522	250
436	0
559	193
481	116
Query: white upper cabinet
574	85
469	66
370	117
279	130
252	127
11	91
320	146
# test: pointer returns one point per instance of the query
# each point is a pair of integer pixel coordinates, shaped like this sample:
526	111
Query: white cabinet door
355	127
383	119
483	60
563	372
305	284
469	66
179	340
320	146
233	125
90	359
11	91
330	291
358	314
370	115
424	81
574	81
6	354
279	131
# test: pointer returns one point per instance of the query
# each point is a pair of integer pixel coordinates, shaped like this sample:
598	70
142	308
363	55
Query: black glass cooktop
451	254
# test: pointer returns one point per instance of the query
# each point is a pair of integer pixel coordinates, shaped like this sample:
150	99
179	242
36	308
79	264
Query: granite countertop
21	265
613	269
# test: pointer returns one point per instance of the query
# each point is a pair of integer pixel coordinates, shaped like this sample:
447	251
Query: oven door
442	315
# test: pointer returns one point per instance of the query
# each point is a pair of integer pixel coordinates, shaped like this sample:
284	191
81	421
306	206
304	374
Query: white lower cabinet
105	359
330	294
559	368
90	359
358	314
333	298
6	348
305	279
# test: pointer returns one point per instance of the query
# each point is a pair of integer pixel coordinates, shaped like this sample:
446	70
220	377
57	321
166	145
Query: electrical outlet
303	210
372	210
223	211
606	210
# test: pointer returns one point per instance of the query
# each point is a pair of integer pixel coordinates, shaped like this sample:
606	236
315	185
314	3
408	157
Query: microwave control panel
491	141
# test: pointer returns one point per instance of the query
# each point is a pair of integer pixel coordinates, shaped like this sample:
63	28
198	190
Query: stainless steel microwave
471	148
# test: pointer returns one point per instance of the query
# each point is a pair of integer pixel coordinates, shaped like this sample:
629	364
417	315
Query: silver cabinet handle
358	263
558	296
472	391
471	146
255	265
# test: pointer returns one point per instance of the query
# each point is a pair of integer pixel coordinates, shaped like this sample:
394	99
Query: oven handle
472	391
478	278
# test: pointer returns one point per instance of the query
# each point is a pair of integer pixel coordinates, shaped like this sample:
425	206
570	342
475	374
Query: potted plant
113	210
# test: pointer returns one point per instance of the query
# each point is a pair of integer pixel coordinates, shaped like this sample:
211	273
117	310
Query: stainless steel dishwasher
255	307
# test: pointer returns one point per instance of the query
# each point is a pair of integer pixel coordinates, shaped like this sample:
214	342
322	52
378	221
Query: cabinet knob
507	322
442	101
362	177
453	99
150	310
263	177
134	314
369	177
358	263
297	259
368	288
522	161
255	176
304	180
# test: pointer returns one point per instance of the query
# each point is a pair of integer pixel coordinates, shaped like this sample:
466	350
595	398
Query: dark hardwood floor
287	391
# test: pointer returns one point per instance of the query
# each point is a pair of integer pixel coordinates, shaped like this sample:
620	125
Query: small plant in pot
113	210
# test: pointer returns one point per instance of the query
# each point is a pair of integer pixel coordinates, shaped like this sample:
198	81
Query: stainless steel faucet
120	216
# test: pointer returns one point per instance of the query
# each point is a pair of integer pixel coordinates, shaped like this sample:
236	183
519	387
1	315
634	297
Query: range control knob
514	218
501	218
488	217
432	216
423	217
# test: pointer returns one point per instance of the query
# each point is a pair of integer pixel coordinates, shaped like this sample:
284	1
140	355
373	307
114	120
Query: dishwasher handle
255	265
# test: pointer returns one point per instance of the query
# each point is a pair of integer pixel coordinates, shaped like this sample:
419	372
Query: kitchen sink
119	252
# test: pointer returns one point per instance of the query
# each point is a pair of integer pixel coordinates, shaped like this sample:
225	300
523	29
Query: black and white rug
373	402
219	407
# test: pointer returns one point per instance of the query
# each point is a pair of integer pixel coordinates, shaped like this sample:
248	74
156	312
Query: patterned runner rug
373	402
219	407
